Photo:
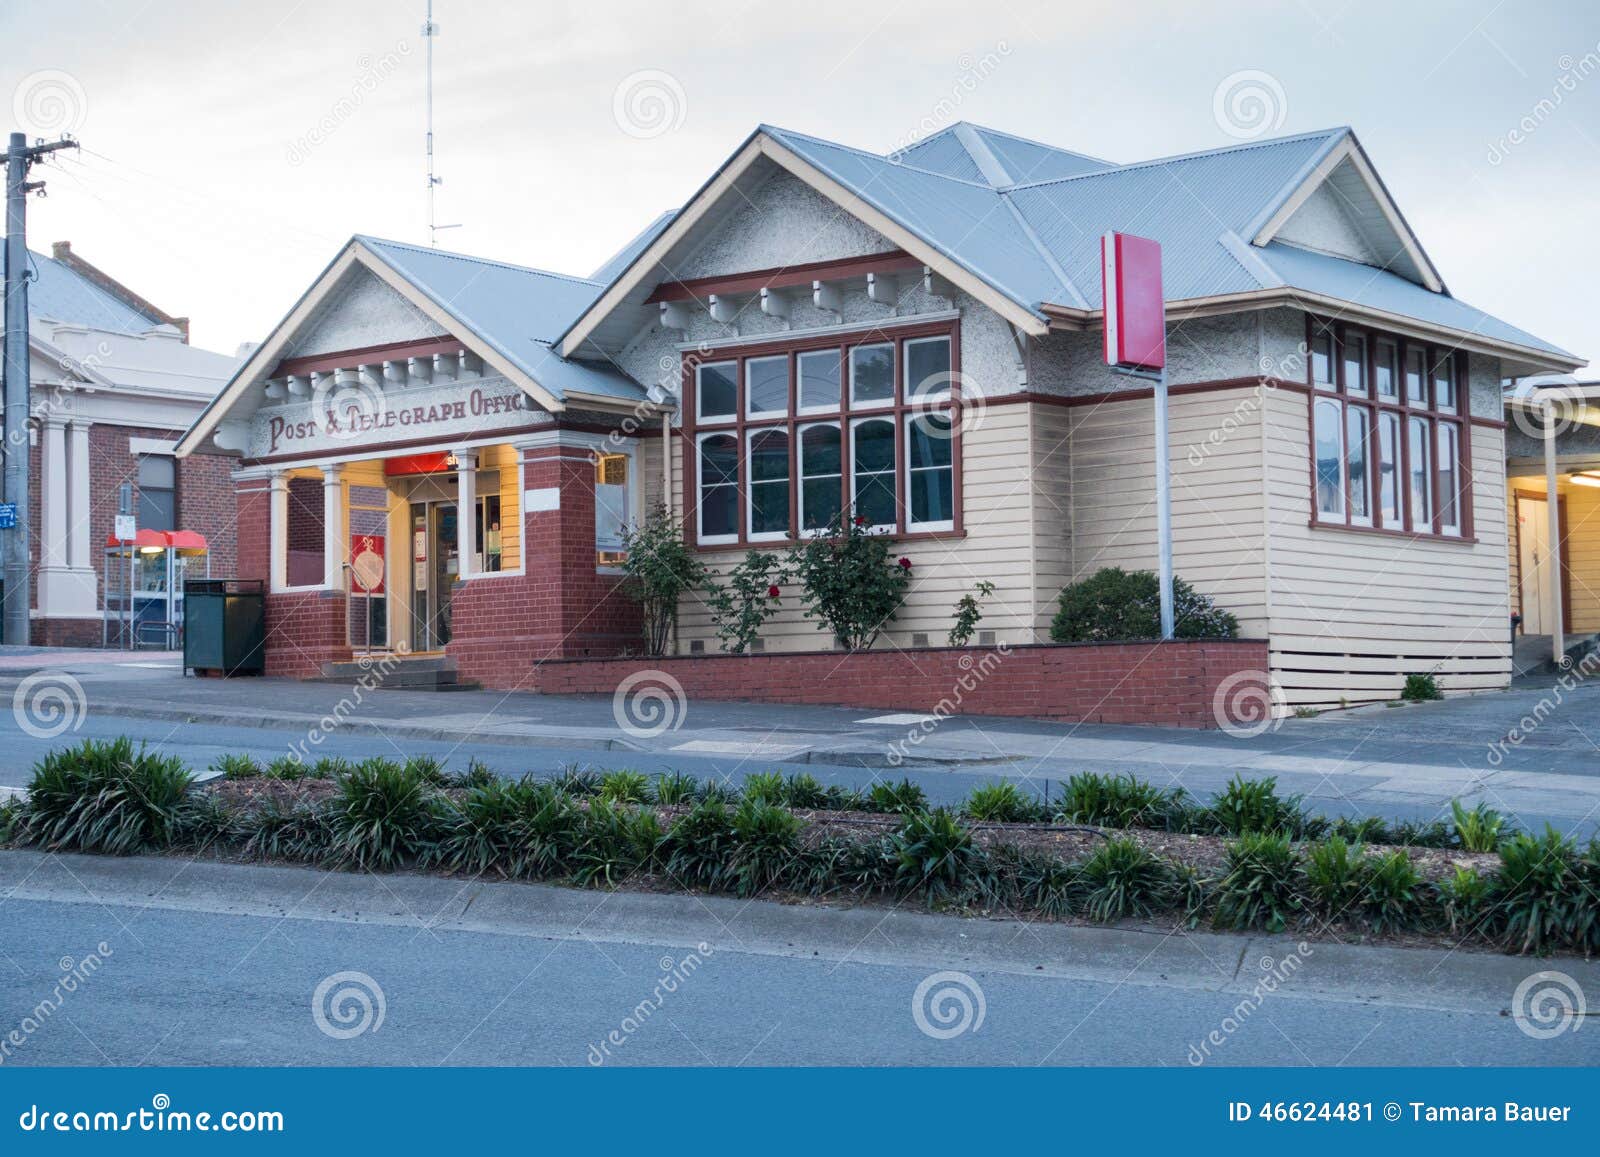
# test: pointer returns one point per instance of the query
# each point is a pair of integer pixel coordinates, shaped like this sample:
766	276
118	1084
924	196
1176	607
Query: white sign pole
1164	505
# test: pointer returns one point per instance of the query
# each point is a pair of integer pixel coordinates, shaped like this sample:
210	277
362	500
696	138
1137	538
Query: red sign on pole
366	563
1136	311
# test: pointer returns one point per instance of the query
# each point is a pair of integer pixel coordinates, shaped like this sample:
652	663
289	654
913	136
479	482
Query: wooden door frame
1566	564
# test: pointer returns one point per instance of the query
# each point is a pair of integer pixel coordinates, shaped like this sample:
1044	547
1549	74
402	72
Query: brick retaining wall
1171	684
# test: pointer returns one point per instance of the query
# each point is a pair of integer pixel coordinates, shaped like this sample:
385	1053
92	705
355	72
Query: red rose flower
772	591
861	520
905	563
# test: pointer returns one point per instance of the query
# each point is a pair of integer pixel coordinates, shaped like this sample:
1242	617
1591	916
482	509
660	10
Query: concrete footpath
1527	752
205	963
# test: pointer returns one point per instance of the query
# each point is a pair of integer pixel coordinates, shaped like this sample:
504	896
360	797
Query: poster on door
366	563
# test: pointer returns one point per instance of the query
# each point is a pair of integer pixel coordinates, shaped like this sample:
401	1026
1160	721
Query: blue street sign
8	515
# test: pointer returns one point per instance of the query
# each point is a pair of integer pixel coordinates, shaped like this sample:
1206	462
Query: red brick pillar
304	629
559	607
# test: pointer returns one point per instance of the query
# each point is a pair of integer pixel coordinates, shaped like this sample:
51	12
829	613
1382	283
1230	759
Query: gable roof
61	293
507	314
1018	223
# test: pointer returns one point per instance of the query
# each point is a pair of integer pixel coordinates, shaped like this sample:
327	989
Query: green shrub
236	766
765	787
1536	891
741	606
805	791
205	820
1259	886
525	829
1047	884
935	855
328	767
103	796
1391	893
301	832
1001	802
1112	801
850	581
659	569
847	864
1464	899
614	841
1583	932
1477	830
13	812
699	845
384	816
1254	805
1422	834
478	774
766	839
1123	879
675	787
1114	606
1420	688
968	614
429	769
1334	876
625	787
904	797
578	782
1361	830
289	767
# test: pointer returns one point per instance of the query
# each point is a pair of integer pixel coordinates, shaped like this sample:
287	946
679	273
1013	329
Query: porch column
466	510
53	499
278	550
1558	642
333	538
78	545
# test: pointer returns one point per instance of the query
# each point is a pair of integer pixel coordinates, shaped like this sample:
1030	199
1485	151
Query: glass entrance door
435	565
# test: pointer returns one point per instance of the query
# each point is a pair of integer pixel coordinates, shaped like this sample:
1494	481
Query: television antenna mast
430	32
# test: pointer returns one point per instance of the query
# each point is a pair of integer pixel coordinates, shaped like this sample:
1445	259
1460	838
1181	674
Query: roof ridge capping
370	241
1332	136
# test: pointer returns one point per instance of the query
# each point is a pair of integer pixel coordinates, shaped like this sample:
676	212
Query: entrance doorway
435	563
1537	593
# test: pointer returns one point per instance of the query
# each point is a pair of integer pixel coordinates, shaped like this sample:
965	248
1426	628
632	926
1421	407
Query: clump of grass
1123	879
1259	888
328	767
1389	899
1047	884
578	781
298	831
236	766
477	774
1464	898
429	769
1420	688
105	796
384	816
1112	801
625	787
1254	805
1001	802
1536	890
1478	829
765	787
286	767
904	797
804	790
766	839
614	841
934	854
672	788
698	846
1333	872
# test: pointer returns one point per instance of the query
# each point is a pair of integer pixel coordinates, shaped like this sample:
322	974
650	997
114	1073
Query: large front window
1388	435
785	439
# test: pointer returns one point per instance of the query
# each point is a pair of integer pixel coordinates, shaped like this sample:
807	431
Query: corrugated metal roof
942	153
516	310
1031	161
623	257
60	293
1379	289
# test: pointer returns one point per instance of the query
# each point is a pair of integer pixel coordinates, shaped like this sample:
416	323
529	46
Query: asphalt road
523	975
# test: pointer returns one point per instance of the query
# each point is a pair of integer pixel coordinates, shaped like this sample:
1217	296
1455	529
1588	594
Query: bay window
1389	442
785	436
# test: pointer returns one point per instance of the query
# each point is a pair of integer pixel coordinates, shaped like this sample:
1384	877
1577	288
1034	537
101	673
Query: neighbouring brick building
114	383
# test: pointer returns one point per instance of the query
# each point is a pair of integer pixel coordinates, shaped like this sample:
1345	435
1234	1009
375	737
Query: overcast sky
231	147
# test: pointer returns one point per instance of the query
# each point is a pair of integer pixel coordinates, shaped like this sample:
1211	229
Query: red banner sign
366	563
1136	310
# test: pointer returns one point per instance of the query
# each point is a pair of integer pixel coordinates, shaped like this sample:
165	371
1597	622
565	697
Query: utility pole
20	156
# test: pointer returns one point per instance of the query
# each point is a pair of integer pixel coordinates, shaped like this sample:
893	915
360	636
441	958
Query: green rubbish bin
224	626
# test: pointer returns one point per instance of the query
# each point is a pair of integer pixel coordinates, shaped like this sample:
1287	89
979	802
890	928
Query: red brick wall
559	606
1171	684
305	630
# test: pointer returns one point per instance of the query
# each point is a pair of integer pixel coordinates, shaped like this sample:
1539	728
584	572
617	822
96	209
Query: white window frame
893	471
799	382
913	526
632	501
1448	432
1429	474
749	483
1318	405
1364	410
905	370
749	397
700	415
894	377
700	489
801	476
